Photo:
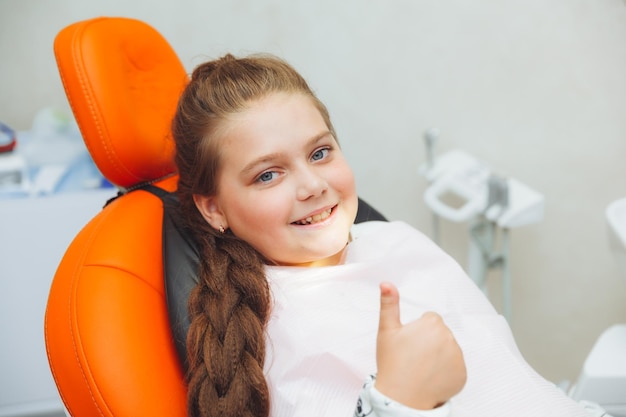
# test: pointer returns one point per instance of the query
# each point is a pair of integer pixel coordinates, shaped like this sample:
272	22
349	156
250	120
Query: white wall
537	89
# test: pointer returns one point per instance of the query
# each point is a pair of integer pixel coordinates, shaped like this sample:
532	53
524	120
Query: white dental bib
322	331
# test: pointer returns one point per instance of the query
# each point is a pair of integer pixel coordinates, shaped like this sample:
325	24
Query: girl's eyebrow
264	159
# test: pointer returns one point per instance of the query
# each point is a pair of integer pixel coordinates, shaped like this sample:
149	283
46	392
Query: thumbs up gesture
420	363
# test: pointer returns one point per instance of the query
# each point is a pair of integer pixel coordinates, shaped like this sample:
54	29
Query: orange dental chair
112	348
107	331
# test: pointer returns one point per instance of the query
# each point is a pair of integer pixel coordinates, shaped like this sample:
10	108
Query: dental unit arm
505	201
463	189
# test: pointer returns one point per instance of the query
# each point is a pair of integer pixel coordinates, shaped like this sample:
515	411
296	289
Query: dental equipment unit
463	189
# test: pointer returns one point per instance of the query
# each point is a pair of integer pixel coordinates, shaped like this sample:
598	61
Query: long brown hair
229	308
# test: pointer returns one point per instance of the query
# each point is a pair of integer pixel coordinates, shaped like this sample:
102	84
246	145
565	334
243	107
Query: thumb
389	307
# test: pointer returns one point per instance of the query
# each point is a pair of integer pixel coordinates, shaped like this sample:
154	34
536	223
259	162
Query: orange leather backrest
107	332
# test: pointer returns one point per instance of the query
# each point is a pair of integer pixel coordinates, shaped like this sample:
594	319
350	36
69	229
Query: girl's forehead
280	123
277	112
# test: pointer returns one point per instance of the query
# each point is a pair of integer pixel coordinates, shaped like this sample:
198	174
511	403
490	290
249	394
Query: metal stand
484	256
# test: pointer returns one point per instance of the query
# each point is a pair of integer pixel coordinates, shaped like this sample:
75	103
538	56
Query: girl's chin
335	258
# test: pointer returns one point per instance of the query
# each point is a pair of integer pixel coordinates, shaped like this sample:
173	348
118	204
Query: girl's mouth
314	219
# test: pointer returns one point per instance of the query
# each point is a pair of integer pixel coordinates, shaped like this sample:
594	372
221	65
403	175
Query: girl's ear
210	210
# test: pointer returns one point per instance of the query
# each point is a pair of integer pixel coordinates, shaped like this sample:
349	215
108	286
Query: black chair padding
366	213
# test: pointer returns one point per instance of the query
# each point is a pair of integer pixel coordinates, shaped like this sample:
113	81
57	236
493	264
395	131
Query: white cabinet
34	234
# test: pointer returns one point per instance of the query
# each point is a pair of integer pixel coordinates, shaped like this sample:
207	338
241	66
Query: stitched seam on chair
101	265
94	109
92	104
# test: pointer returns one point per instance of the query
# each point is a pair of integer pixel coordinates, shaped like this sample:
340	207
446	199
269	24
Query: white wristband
373	400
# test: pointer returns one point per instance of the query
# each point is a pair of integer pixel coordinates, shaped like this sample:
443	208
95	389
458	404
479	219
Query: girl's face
284	185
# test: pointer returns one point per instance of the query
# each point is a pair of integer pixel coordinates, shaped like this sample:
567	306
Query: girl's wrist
374	400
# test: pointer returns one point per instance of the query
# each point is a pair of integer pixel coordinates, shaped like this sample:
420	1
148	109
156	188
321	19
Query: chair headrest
123	81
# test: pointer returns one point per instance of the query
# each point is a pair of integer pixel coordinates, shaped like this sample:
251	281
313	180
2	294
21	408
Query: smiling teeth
315	219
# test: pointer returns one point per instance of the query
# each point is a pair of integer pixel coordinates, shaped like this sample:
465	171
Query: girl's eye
267	176
320	154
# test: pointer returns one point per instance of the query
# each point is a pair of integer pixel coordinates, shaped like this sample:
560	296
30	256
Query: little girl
296	310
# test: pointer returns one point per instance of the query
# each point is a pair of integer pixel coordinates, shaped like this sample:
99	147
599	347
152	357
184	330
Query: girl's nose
310	184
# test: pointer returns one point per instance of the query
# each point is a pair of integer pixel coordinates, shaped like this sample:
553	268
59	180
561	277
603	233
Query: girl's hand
420	364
